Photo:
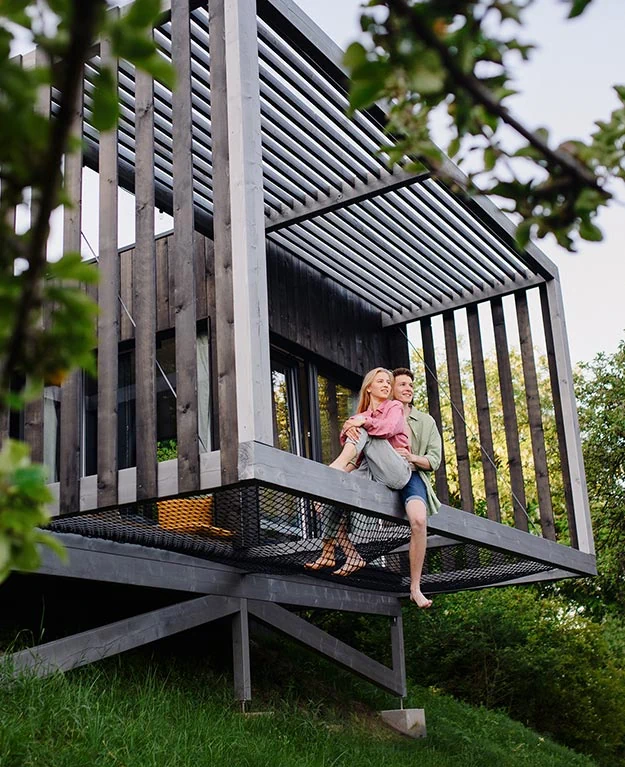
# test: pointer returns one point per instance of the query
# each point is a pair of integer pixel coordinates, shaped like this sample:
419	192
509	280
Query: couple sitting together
389	441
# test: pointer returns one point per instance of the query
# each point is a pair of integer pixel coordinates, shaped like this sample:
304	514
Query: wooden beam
398	653
145	296
108	292
224	300
434	403
249	271
487	448
559	417
183	251
486	293
290	472
342	198
341	653
532	397
71	390
241	653
517	485
555	330
457	408
105	641
112	562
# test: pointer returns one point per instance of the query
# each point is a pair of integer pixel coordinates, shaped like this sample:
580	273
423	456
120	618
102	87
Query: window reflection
336	404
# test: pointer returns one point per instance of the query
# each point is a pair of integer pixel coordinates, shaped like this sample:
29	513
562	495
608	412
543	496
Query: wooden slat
532	397
434	403
162	284
126	294
5	412
558	414
108	318
457	407
33	411
511	427
224	301
483	415
241	653
212	340
71	390
183	255
199	263
144	289
249	272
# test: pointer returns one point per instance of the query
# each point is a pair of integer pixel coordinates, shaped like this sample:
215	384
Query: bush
535	657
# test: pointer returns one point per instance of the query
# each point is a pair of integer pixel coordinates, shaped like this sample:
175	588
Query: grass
166	708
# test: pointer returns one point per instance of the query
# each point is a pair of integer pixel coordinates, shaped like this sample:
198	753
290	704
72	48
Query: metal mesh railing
263	529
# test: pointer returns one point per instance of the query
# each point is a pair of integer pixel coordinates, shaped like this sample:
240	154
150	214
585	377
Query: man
418	496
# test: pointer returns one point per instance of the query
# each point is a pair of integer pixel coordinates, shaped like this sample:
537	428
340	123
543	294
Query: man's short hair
403	372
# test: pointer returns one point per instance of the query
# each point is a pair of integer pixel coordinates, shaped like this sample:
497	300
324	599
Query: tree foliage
421	56
33	353
500	457
600	388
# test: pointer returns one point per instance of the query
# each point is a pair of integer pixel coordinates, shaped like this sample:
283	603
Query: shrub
535	657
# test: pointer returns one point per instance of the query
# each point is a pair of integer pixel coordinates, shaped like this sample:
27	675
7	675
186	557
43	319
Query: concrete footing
408	721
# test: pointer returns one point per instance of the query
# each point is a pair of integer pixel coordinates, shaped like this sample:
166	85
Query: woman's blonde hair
365	398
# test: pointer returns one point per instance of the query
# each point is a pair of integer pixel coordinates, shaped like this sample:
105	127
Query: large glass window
336	404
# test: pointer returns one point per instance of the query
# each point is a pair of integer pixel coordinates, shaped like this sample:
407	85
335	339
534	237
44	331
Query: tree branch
84	18
483	96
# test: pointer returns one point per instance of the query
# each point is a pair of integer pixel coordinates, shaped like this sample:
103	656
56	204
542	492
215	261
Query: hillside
171	706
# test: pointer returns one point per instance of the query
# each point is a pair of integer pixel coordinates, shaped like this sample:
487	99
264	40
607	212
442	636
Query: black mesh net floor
262	529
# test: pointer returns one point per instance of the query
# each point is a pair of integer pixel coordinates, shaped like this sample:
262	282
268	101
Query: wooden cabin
233	346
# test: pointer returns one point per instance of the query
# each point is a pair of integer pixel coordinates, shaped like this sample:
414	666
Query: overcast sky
565	87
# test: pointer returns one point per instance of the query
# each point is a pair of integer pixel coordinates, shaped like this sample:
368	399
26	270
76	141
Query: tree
422	56
600	388
31	152
500	457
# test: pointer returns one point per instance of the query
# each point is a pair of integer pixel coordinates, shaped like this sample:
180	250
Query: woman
370	439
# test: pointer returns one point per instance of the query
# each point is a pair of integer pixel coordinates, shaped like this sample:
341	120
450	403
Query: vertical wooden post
241	654
460	431
224	301
144	281
434	403
183	253
398	654
483	415
33	411
535	419
509	416
249	269
566	412
108	318
71	390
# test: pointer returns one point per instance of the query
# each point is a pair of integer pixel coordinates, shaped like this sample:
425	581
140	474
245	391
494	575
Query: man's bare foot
321	563
351	566
417	596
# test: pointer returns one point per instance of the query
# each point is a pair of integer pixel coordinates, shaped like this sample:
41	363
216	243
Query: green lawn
144	710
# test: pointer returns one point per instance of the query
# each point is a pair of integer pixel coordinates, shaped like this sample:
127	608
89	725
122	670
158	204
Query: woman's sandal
349	568
320	564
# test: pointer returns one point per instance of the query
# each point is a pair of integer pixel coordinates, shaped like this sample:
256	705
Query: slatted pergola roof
400	239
